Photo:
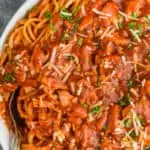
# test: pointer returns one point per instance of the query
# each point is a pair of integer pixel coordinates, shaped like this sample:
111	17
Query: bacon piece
102	121
86	22
113	118
119	40
111	9
68	24
58	22
65	98
53	83
89	136
79	111
133	6
85	53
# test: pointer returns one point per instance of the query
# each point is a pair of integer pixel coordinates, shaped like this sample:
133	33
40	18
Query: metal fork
16	142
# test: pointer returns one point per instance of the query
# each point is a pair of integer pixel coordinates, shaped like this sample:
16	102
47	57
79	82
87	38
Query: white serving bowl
5	137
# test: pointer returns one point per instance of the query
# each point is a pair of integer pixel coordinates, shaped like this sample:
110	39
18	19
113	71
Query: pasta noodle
82	69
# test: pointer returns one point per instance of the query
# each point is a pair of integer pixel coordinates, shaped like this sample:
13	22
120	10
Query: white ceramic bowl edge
5	137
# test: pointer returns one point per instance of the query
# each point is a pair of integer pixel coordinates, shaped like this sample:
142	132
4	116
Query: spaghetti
83	68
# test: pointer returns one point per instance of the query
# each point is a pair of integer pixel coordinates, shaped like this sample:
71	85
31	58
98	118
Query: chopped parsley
130	84
147	147
52	27
140	29
105	127
136	30
65	36
9	77
127	123
140	119
48	15
95	110
80	41
75	11
32	9
69	57
75	28
65	14
84	105
120	25
132	25
125	101
98	83
134	15
133	134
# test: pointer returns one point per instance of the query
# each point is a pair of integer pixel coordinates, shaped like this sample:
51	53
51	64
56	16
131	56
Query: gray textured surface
7	9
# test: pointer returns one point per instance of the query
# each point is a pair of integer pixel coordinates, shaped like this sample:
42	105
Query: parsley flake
48	15
95	110
125	101
9	77
80	41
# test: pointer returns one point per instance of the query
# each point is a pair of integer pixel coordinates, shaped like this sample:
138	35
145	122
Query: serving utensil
16	120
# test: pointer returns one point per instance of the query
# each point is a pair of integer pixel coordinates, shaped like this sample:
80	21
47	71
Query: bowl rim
5	136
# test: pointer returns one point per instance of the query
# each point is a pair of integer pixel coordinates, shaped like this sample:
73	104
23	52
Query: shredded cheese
53	56
105	32
100	13
1	98
127	16
57	70
134	33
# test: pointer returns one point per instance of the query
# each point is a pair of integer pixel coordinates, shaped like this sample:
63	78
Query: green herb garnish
69	57
65	36
48	15
134	15
125	101
75	28
132	25
52	27
130	84
9	77
140	29
147	147
133	134
140	119
65	14
98	83
75	11
127	123
80	41
84	105
120	25
105	127
95	110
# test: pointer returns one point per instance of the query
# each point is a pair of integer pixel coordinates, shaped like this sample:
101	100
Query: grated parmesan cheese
59	136
1	98
101	13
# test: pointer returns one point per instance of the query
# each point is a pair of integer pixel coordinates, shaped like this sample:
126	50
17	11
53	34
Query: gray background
7	9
